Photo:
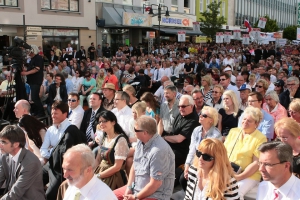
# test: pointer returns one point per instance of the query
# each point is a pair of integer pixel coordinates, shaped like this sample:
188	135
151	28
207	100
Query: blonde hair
221	172
139	108
234	100
208	79
129	89
213	113
288	124
264	84
252	76
295	105
220	87
254	113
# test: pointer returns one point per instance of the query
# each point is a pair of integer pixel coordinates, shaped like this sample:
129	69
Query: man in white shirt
228	70
78	167
267	77
225	82
76	111
122	110
275	166
228	61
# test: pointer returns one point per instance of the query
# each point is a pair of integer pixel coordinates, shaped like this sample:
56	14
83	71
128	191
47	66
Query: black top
36	78
91	54
188	67
296	165
229	121
285	99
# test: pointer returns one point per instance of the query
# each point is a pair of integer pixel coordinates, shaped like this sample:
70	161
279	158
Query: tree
271	25
290	32
210	21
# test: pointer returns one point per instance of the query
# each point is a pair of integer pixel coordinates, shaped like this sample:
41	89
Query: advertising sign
181	36
246	39
227	37
262	22
219	37
136	19
175	20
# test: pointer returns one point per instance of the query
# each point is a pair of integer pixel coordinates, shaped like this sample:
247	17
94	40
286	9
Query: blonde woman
230	113
206	87
129	89
261	86
211	175
252	81
294	110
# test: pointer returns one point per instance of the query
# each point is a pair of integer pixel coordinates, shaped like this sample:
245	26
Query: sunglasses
222	79
205	156
183	106
137	130
204	115
72	100
215	92
259	86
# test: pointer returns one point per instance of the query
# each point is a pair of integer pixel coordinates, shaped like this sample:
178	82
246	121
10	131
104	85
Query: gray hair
189	98
293	79
147	123
87	156
196	90
254	113
284	151
171	87
34	49
124	96
273	95
25	104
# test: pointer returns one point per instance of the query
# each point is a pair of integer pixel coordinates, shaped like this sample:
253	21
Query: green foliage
210	21
290	32
271	25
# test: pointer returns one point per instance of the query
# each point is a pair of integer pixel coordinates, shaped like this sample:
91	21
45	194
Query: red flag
248	25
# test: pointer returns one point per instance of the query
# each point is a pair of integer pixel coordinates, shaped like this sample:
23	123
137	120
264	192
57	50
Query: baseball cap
279	83
245	87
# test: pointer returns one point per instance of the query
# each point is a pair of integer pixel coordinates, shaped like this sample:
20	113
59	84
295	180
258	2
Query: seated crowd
120	128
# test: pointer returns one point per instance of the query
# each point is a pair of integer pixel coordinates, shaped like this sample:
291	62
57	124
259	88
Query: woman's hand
186	170
129	197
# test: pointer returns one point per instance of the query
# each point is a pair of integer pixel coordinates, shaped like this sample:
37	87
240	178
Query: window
223	8
174	2
64	5
207	3
201	5
12	3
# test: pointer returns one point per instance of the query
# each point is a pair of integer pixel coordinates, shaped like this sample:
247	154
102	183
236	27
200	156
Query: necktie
90	127
157	74
77	195
70	113
276	194
12	175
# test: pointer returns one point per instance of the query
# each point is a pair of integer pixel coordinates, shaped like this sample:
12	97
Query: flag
248	25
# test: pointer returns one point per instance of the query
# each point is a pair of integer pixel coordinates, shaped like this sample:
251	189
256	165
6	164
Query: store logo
170	20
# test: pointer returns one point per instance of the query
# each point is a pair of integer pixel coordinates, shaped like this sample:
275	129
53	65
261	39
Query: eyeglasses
222	79
204	115
183	106
205	156
269	164
103	121
291	112
186	81
259	86
291	84
72	100
197	99
216	92
137	130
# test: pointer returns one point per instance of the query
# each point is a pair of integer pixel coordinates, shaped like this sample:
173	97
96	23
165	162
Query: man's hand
293	92
91	143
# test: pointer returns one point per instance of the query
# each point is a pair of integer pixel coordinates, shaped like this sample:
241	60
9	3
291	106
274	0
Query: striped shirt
231	193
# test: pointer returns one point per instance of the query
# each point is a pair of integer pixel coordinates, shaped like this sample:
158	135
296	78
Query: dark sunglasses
223	79
204	115
136	130
259	86
215	92
183	106
72	100
205	156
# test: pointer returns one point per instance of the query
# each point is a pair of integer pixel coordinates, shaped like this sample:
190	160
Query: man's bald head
22	107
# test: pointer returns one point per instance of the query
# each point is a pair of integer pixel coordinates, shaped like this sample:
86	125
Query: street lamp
150	9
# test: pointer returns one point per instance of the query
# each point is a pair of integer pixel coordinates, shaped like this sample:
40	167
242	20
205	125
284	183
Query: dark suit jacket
82	54
52	93
54	58
29	177
64	57
284	98
86	119
77	55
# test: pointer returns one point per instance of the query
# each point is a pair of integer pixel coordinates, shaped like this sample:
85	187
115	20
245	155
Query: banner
262	22
219	37
277	35
256	33
280	42
298	33
136	19
196	27
201	39
246	39
227	37
181	36
298	14
237	34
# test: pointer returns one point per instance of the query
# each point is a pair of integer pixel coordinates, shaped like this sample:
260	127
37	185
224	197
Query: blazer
29	177
55	58
64	57
52	93
86	119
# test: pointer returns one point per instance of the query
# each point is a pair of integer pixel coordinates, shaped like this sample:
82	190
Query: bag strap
235	143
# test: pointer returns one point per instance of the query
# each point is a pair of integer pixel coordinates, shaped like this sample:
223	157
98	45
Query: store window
63	5
12	3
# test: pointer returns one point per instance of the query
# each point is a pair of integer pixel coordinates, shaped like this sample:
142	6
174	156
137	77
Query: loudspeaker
100	22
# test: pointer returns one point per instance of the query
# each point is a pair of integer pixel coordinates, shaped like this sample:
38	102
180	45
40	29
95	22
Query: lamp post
159	6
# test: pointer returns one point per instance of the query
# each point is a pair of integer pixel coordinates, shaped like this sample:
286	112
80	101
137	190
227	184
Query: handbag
236	168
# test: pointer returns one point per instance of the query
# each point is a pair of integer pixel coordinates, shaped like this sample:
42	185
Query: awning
175	31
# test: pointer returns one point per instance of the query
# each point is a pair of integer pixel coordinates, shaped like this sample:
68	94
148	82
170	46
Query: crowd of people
217	120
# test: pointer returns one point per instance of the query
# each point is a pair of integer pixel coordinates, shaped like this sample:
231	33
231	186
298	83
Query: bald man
22	107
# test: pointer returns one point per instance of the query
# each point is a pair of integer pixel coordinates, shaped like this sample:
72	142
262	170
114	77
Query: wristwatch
99	176
135	196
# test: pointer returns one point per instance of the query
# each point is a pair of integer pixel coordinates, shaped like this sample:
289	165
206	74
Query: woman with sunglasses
230	113
287	130
77	81
211	175
294	110
208	120
35	132
241	145
113	151
262	87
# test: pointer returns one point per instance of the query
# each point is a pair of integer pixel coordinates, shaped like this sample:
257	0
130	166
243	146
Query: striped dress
231	192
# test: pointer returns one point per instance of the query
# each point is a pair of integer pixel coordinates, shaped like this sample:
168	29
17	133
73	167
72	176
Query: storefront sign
137	19
201	39
175	20
59	32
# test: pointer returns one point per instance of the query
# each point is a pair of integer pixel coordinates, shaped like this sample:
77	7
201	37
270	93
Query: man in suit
106	51
82	53
53	57
58	139
64	56
91	117
20	168
76	55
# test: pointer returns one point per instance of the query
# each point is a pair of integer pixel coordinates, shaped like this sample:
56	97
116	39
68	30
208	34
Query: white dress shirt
52	137
124	116
288	191
271	87
166	72
157	77
76	116
95	189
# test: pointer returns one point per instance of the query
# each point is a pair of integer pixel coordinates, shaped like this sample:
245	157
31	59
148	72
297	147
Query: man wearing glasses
275	166
152	173
76	111
291	93
225	82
